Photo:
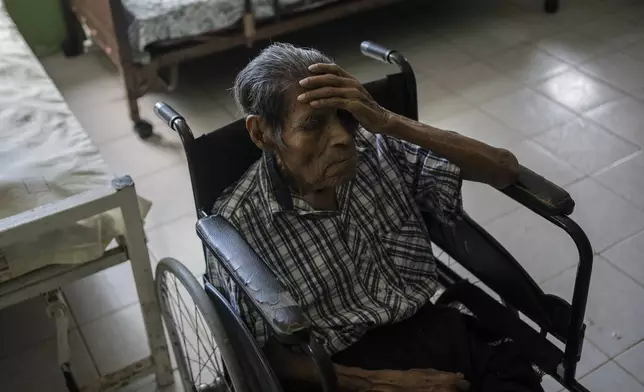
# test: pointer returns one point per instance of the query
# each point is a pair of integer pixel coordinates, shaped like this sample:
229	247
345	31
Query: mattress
152	21
45	156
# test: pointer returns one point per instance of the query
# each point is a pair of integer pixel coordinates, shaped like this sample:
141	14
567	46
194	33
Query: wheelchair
552	337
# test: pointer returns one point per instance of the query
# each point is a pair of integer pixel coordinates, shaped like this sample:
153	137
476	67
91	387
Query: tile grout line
612	264
174	220
616	163
107	314
483	224
605	128
608	83
617	243
623	368
82	337
599	171
624	199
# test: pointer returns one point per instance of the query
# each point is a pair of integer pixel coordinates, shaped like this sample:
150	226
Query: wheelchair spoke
198	346
207	360
217	370
194	327
187	343
211	341
175	317
212	344
216	363
200	343
185	352
198	363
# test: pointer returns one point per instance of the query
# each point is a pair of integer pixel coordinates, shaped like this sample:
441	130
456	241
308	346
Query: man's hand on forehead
326	68
333	87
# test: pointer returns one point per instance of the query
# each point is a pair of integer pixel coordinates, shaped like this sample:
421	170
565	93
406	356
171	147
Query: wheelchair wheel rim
198	356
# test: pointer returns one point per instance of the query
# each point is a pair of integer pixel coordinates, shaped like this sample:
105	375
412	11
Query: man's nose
340	136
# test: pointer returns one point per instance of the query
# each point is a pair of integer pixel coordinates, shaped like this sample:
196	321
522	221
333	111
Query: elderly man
334	209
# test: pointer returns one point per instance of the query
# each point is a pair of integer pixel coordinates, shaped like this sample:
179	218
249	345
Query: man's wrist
389	123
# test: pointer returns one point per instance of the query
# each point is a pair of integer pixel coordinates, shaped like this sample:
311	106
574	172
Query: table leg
57	309
143	278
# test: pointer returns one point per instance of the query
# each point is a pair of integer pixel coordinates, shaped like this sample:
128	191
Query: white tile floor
565	92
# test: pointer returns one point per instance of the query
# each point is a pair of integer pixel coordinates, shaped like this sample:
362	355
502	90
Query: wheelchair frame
467	242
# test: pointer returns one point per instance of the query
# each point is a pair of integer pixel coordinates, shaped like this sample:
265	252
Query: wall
40	22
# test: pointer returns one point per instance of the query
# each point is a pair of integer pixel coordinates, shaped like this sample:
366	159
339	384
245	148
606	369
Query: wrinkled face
319	150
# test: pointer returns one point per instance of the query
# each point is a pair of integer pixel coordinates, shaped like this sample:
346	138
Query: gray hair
261	86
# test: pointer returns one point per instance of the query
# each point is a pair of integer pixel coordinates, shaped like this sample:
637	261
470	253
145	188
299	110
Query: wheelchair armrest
539	194
258	282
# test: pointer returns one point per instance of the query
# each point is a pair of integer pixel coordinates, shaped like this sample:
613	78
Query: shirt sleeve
434	181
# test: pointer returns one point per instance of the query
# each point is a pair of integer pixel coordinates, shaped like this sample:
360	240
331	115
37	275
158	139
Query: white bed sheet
45	156
156	20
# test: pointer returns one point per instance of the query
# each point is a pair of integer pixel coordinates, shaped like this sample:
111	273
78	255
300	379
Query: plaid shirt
368	264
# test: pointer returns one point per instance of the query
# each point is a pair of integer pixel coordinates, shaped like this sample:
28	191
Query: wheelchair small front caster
143	129
551	6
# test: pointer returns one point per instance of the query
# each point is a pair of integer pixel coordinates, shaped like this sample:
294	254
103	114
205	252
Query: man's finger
328	80
336	102
329	68
328	92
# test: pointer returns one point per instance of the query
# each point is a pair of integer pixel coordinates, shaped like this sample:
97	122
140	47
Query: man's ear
257	130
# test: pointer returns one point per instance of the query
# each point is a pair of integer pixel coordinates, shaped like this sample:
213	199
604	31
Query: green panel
40	22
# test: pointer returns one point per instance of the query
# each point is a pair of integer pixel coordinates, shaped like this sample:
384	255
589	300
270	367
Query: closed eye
313	123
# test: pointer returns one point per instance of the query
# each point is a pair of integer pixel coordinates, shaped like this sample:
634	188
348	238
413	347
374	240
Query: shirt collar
275	193
278	197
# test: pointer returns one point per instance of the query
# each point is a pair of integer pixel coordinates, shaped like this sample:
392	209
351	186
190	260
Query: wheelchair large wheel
204	356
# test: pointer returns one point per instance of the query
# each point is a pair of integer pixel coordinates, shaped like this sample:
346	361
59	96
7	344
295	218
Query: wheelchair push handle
166	113
376	51
175	121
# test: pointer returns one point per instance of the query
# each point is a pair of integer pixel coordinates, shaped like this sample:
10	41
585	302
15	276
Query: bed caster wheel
551	6
143	129
72	47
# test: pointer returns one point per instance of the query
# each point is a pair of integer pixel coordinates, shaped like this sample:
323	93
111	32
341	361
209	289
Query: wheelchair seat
218	159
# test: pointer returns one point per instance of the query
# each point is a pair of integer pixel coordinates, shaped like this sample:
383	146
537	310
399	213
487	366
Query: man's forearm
478	161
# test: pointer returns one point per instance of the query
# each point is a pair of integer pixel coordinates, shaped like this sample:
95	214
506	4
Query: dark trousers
442	338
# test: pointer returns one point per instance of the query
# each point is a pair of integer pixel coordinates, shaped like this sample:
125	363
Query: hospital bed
63	216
